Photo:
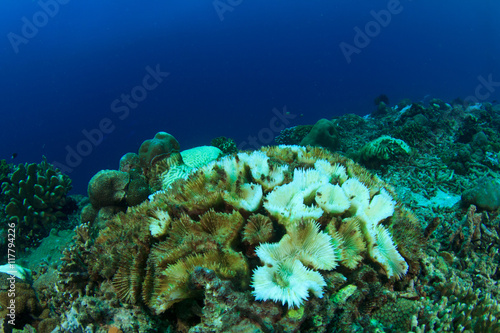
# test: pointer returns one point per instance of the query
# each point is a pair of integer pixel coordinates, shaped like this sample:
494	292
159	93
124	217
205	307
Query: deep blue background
226	76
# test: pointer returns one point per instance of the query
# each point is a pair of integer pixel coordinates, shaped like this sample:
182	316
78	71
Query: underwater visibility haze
250	165
229	66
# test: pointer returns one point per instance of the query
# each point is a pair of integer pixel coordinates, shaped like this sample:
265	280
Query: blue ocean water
84	82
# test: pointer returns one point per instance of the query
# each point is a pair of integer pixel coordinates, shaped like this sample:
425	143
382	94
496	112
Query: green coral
200	156
462	308
293	135
5	169
384	149
227	145
36	196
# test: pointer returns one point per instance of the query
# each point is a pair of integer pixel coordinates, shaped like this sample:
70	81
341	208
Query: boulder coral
129	161
151	250
485	194
323	134
154	150
157	166
108	188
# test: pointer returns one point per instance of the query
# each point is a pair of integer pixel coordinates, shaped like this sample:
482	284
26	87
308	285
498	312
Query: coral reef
226	145
157	166
5	169
323	243
154	150
484	194
228	209
37	200
18	301
323	134
383	150
293	135
91	314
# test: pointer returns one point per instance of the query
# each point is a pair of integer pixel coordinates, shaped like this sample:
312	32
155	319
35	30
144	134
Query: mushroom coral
318	210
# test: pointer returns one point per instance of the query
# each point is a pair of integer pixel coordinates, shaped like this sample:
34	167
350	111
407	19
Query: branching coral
36	196
462	308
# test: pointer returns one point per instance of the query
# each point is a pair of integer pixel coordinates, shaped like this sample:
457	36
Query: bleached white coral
292	201
381	247
287	204
332	199
384	251
284	277
257	162
233	168
381	207
249	197
357	194
262	173
312	246
324	167
287	282
273	253
175	173
159	223
294	148
305	242
308	180
336	172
